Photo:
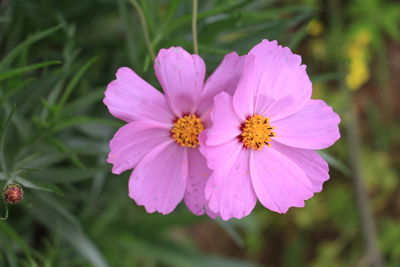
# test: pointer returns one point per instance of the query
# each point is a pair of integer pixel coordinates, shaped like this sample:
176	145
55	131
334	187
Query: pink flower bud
13	193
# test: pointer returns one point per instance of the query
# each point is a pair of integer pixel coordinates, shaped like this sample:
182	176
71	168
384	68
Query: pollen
186	130
257	132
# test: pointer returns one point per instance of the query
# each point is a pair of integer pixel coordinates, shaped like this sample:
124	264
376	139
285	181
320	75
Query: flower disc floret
257	132
186	130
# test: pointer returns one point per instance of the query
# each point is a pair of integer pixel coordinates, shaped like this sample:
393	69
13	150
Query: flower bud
13	193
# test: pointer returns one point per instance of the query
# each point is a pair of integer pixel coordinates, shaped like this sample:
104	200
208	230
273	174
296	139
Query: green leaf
3	135
64	148
31	40
39	186
65	175
83	120
67	226
14	72
173	255
71	85
327	77
232	232
335	163
79	105
11	233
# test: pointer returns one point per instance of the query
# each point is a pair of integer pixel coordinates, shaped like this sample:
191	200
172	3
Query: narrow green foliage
39	186
3	136
18	71
71	85
12	55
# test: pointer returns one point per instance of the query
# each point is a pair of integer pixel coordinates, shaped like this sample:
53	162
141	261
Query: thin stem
367	220
354	149
4	131
194	27
6	212
144	27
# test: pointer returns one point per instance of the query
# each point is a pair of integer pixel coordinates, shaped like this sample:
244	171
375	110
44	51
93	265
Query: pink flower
160	139
263	139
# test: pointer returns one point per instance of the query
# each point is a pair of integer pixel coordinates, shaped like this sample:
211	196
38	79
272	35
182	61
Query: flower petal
130	98
243	98
313	127
278	182
133	141
197	178
283	84
313	165
229	190
220	156
225	78
158	182
273	82
225	122
181	75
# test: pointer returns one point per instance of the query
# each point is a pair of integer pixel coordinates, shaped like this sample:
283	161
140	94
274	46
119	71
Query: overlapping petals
229	190
284	174
279	182
313	165
133	141
164	172
224	79
313	127
181	76
158	182
197	178
274	83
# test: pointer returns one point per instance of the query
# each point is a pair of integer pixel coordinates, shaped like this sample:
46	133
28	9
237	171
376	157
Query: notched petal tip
122	72
181	75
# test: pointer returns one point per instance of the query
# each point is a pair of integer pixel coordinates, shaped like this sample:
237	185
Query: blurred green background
56	58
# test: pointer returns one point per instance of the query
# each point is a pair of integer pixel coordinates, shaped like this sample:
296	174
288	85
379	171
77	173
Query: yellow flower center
257	132
186	130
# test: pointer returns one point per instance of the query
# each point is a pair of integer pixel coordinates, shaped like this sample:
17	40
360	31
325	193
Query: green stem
3	135
6	212
144	27
354	139
194	27
368	226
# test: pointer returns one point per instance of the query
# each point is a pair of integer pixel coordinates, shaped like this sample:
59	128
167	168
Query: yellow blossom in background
317	45
318	48
357	53
315	27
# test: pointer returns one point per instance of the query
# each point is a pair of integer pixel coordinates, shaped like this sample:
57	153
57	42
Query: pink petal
197	178
277	85
220	156
226	123
158	182
313	127
225	78
229	190
181	75
133	141
243	98
130	98
313	165
278	182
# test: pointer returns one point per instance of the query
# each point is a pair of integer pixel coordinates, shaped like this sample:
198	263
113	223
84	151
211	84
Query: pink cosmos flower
160	139
263	139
